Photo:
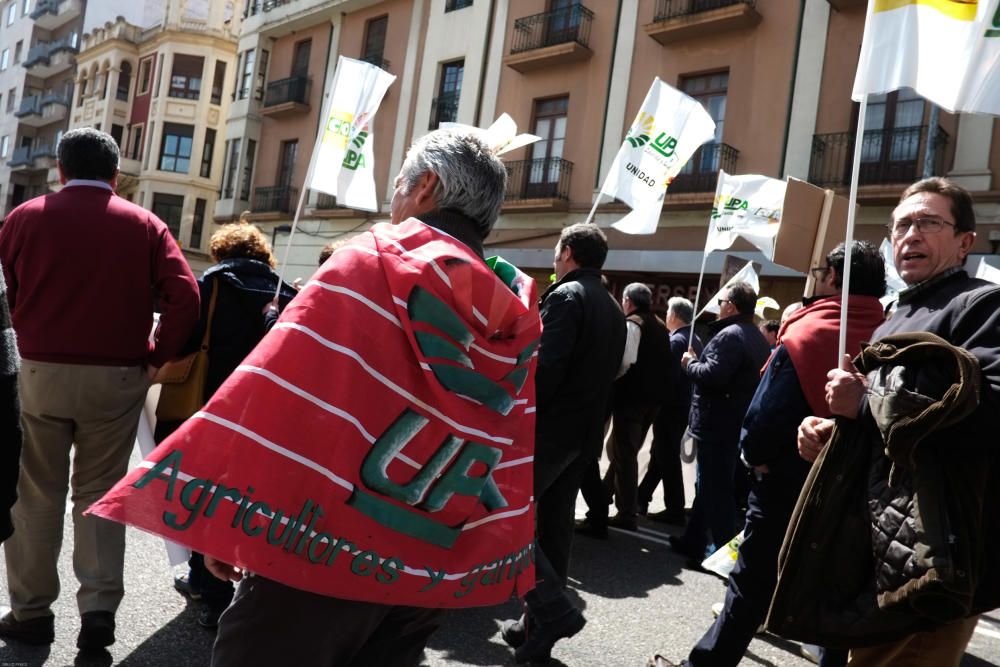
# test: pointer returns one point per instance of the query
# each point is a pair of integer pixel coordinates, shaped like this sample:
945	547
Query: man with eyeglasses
723	379
932	232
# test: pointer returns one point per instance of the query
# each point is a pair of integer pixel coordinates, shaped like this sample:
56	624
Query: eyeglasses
819	272
722	301
899	228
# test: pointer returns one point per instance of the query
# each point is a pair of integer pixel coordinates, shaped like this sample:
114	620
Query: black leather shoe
592	529
35	631
97	630
622	523
541	638
668	517
659	661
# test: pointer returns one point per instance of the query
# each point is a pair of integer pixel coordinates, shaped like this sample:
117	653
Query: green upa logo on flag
994	30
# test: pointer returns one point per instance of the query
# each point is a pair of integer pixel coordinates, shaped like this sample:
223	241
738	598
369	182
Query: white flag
745	275
748	206
342	160
987	272
948	51
501	136
668	129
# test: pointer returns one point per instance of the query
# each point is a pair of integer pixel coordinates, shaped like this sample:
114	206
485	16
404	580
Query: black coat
724	379
10	417
583	339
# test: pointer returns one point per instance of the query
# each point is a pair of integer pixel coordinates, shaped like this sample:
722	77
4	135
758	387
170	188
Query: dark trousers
558	472
752	581
216	593
631	423
713	515
595	493
665	461
273	624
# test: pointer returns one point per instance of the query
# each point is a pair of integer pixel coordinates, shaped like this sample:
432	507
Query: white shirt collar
84	181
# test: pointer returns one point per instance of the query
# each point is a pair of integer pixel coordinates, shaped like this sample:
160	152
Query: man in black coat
724	379
583	338
10	416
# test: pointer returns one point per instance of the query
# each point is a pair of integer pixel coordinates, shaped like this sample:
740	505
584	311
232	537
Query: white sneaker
717	609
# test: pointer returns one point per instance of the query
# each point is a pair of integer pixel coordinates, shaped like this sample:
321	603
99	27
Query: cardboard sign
801	223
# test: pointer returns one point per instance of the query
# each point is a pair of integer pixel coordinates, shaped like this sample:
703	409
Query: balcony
52	14
701	173
676	20
551	38
378	61
254	7
47	59
847	5
888	157
538	185
274	199
41	110
26	158
444	109
286	96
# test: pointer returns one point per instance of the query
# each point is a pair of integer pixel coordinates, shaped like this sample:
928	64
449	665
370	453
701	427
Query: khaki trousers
940	647
93	412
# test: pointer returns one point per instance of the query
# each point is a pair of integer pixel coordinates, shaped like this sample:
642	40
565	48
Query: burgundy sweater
83	268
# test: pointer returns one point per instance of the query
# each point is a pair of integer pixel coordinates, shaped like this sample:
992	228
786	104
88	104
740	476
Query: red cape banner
377	445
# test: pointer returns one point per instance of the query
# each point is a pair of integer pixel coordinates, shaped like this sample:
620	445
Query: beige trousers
93	412
940	647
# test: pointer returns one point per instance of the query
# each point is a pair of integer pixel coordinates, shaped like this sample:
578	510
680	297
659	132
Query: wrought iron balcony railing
701	173
275	198
669	9
544	178
45	7
888	157
29	105
559	26
292	89
378	61
444	109
20	156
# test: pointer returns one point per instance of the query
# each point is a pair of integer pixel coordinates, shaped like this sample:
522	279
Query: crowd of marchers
865	494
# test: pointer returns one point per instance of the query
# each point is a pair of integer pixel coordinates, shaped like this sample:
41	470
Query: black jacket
583	339
10	417
724	379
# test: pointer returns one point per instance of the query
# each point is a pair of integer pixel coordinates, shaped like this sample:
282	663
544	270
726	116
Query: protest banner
377	445
747	206
668	129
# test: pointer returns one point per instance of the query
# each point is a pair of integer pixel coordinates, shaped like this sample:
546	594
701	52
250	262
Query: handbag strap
210	315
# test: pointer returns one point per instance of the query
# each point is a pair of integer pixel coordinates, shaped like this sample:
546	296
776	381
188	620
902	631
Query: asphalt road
638	600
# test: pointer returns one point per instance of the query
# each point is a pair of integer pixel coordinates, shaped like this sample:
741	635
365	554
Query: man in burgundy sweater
83	269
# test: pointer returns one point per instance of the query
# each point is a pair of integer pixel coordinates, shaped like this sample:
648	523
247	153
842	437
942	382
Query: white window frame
11	12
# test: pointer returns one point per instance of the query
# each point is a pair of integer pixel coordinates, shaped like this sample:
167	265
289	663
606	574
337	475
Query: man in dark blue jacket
724	379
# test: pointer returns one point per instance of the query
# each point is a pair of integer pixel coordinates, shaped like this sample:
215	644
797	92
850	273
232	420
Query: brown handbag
183	380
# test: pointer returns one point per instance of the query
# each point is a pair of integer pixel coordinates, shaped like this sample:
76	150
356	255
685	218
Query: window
249	56
248	169
17	51
124	81
169	208
452	5
286	162
4	59
175	151
206	154
545	169
300	59
261	75
375	31
4	145
232	157
117	131
11	13
101	85
198	222
136	151
185	77
145	75
11	96
83	92
710	90
891	146
449	90
217	80
26	8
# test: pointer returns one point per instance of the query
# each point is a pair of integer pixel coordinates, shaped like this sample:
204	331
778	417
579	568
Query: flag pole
697	295
851	210
593	209
288	246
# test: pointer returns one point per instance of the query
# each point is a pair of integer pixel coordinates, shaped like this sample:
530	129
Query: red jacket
83	269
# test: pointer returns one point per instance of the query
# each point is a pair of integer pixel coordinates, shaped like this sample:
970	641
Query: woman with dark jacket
244	277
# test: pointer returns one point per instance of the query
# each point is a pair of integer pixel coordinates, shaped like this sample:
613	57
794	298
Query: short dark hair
772	326
587	242
640	295
961	201
89	154
743	298
867	268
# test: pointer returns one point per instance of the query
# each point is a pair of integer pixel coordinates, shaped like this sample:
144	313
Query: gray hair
471	178
640	295
681	308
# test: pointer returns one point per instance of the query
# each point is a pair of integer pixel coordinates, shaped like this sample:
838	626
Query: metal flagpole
849	240
593	209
